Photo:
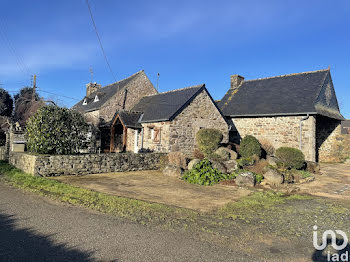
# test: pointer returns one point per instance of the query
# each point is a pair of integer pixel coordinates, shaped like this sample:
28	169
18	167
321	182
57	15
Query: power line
99	40
39	89
19	60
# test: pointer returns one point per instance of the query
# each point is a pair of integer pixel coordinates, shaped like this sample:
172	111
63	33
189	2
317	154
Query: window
96	99
85	102
152	133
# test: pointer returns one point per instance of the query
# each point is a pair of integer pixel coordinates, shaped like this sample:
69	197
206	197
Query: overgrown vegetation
208	140
249	147
290	157
26	104
56	130
204	174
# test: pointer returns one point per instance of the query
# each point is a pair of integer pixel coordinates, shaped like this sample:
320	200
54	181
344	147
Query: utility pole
34	87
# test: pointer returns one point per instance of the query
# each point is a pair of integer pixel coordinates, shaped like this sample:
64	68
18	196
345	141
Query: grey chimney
236	81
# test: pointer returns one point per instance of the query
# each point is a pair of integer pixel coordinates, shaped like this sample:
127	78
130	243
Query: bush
208	140
204	174
246	161
258	178
249	147
290	157
56	130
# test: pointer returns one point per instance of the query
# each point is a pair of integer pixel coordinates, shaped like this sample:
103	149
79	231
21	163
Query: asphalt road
33	228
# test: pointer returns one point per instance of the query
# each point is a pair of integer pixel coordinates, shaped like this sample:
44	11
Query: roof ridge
307	72
180	89
138	72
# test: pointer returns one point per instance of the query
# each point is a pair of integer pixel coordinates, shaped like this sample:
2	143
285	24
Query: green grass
135	210
259	208
259	201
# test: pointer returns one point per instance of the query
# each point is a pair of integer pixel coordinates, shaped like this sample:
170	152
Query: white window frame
96	98
85	102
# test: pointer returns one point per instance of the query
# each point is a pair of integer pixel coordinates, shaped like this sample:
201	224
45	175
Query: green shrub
246	161
258	178
305	174
249	147
208	140
204	174
56	130
290	157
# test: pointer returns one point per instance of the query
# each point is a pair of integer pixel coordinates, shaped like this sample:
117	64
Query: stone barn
166	122
297	110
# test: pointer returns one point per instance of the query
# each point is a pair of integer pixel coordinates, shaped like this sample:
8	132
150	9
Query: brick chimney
92	87
236	81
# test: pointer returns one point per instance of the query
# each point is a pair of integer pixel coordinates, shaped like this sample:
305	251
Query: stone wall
179	134
281	131
23	161
55	165
327	137
200	113
161	140
93	117
139	87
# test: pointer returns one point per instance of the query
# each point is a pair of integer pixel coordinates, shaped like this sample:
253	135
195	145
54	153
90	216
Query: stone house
297	110
101	103
166	122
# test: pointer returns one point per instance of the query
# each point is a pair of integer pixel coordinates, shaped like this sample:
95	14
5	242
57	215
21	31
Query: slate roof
104	94
281	95
130	119
165	106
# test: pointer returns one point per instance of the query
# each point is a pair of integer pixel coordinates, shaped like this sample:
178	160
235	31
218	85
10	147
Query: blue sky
187	42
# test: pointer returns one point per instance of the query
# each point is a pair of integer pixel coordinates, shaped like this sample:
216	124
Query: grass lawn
258	221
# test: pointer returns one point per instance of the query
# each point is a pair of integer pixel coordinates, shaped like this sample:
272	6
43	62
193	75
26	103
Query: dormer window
85	102
96	98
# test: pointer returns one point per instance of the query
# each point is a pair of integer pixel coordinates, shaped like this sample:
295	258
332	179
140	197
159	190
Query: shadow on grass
26	245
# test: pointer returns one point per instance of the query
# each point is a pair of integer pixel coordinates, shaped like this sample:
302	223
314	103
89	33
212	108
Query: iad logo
333	239
330	237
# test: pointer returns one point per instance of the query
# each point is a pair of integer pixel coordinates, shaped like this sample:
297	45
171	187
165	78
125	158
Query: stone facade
55	165
327	134
179	134
139	87
281	131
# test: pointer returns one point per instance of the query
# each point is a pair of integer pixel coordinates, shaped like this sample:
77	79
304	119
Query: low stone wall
56	165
